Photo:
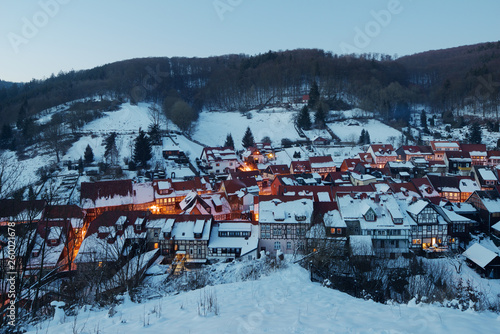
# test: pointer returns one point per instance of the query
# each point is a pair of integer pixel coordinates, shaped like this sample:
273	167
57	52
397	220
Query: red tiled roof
322	159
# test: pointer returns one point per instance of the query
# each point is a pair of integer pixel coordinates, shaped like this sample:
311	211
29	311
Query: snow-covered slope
213	127
283	302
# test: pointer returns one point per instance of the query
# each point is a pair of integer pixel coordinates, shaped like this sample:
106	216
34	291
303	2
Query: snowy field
213	127
350	130
283	302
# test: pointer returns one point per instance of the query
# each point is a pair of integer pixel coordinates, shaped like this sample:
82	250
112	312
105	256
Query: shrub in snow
207	303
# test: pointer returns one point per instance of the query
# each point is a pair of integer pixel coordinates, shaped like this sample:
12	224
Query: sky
43	37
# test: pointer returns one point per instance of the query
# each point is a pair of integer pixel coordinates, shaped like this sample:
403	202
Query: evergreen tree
367	137
498	144
362	137
229	141
142	149
320	117
6	137
313	95
21	116
475	135
423	119
110	149
88	155
248	139
154	134
304	119
296	155
80	166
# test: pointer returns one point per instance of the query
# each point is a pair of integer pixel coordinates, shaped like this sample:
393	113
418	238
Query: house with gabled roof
274	170
447	187
219	160
168	194
233	239
487	202
284	222
492	158
477	153
300	167
485	177
439	147
429	229
322	164
458	162
349	164
484	260
426	189
459	227
380	219
409	152
382	153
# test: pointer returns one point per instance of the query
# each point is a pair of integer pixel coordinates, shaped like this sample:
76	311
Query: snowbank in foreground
283	302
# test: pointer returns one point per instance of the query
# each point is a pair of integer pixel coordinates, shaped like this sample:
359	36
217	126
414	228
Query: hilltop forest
436	80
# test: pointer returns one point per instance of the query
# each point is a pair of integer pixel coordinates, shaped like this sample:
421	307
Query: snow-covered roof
163	185
487	174
362	177
333	219
247	244
167	228
480	255
445	144
492	205
324	197
468	186
185	230
240	227
388	214
496	227
277	211
417	207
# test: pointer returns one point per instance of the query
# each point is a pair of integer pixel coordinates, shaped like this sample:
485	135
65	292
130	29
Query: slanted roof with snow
417	207
247	244
468	186
293	211
185	230
480	255
333	219
487	174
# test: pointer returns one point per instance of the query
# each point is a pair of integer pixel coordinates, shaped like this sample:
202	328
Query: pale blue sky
81	34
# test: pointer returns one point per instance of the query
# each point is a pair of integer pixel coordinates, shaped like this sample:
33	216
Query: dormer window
370	216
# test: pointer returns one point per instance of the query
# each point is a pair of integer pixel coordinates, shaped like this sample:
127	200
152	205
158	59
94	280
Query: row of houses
278	209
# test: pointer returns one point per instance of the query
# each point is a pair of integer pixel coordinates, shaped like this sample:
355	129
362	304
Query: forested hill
457	77
442	80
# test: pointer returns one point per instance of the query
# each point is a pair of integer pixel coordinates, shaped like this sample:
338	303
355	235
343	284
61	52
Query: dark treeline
443	80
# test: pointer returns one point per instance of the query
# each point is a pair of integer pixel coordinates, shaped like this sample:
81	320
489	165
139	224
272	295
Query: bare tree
10	173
